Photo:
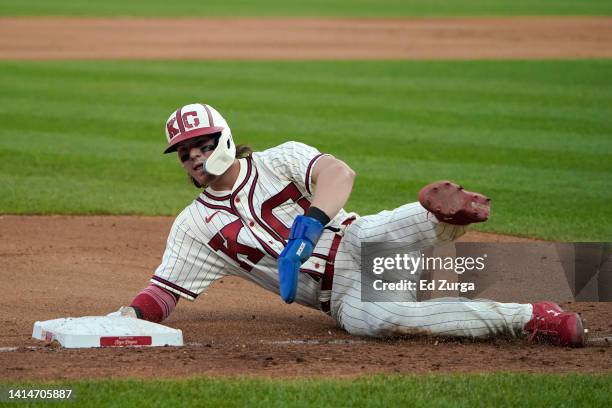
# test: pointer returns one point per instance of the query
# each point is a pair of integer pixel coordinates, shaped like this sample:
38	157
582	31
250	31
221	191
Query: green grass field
343	8
498	390
87	137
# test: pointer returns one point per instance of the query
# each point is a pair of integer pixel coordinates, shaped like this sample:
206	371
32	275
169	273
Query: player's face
193	155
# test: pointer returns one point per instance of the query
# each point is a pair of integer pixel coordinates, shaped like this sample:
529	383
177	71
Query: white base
106	331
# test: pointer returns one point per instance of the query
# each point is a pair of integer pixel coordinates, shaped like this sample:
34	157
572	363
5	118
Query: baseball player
276	218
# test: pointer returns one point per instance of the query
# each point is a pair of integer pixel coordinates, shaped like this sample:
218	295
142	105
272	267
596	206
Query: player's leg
453	317
418	228
442	317
410	224
418	225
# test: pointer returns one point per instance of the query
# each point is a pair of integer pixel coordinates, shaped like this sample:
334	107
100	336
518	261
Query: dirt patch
56	266
305	38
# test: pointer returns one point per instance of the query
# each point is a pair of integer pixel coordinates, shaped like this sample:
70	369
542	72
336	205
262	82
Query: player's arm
188	267
153	303
333	182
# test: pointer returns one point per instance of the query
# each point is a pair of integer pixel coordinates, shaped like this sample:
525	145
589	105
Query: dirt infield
72	266
301	38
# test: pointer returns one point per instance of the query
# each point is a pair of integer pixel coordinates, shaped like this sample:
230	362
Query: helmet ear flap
223	156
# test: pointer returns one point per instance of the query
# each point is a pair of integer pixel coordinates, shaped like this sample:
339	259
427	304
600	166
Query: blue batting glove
304	235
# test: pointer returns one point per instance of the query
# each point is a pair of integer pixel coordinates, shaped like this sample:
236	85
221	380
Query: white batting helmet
198	119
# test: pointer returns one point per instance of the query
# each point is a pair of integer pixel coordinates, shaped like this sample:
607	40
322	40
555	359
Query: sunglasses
184	156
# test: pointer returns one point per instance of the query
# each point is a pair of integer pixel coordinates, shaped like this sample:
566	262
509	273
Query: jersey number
226	240
229	235
290	192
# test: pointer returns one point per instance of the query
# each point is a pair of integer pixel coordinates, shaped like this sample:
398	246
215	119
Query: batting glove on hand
124	311
304	235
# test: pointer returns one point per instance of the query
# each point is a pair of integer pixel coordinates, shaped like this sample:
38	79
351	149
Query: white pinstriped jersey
242	232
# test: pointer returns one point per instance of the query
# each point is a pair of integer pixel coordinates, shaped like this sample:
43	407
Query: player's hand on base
303	238
124	311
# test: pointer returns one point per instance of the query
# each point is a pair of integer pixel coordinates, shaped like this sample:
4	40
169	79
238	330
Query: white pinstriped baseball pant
458	317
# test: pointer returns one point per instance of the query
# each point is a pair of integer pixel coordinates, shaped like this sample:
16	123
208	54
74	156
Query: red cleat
550	322
450	203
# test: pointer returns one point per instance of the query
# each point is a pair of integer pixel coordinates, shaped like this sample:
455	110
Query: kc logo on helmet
191	123
172	131
189	120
